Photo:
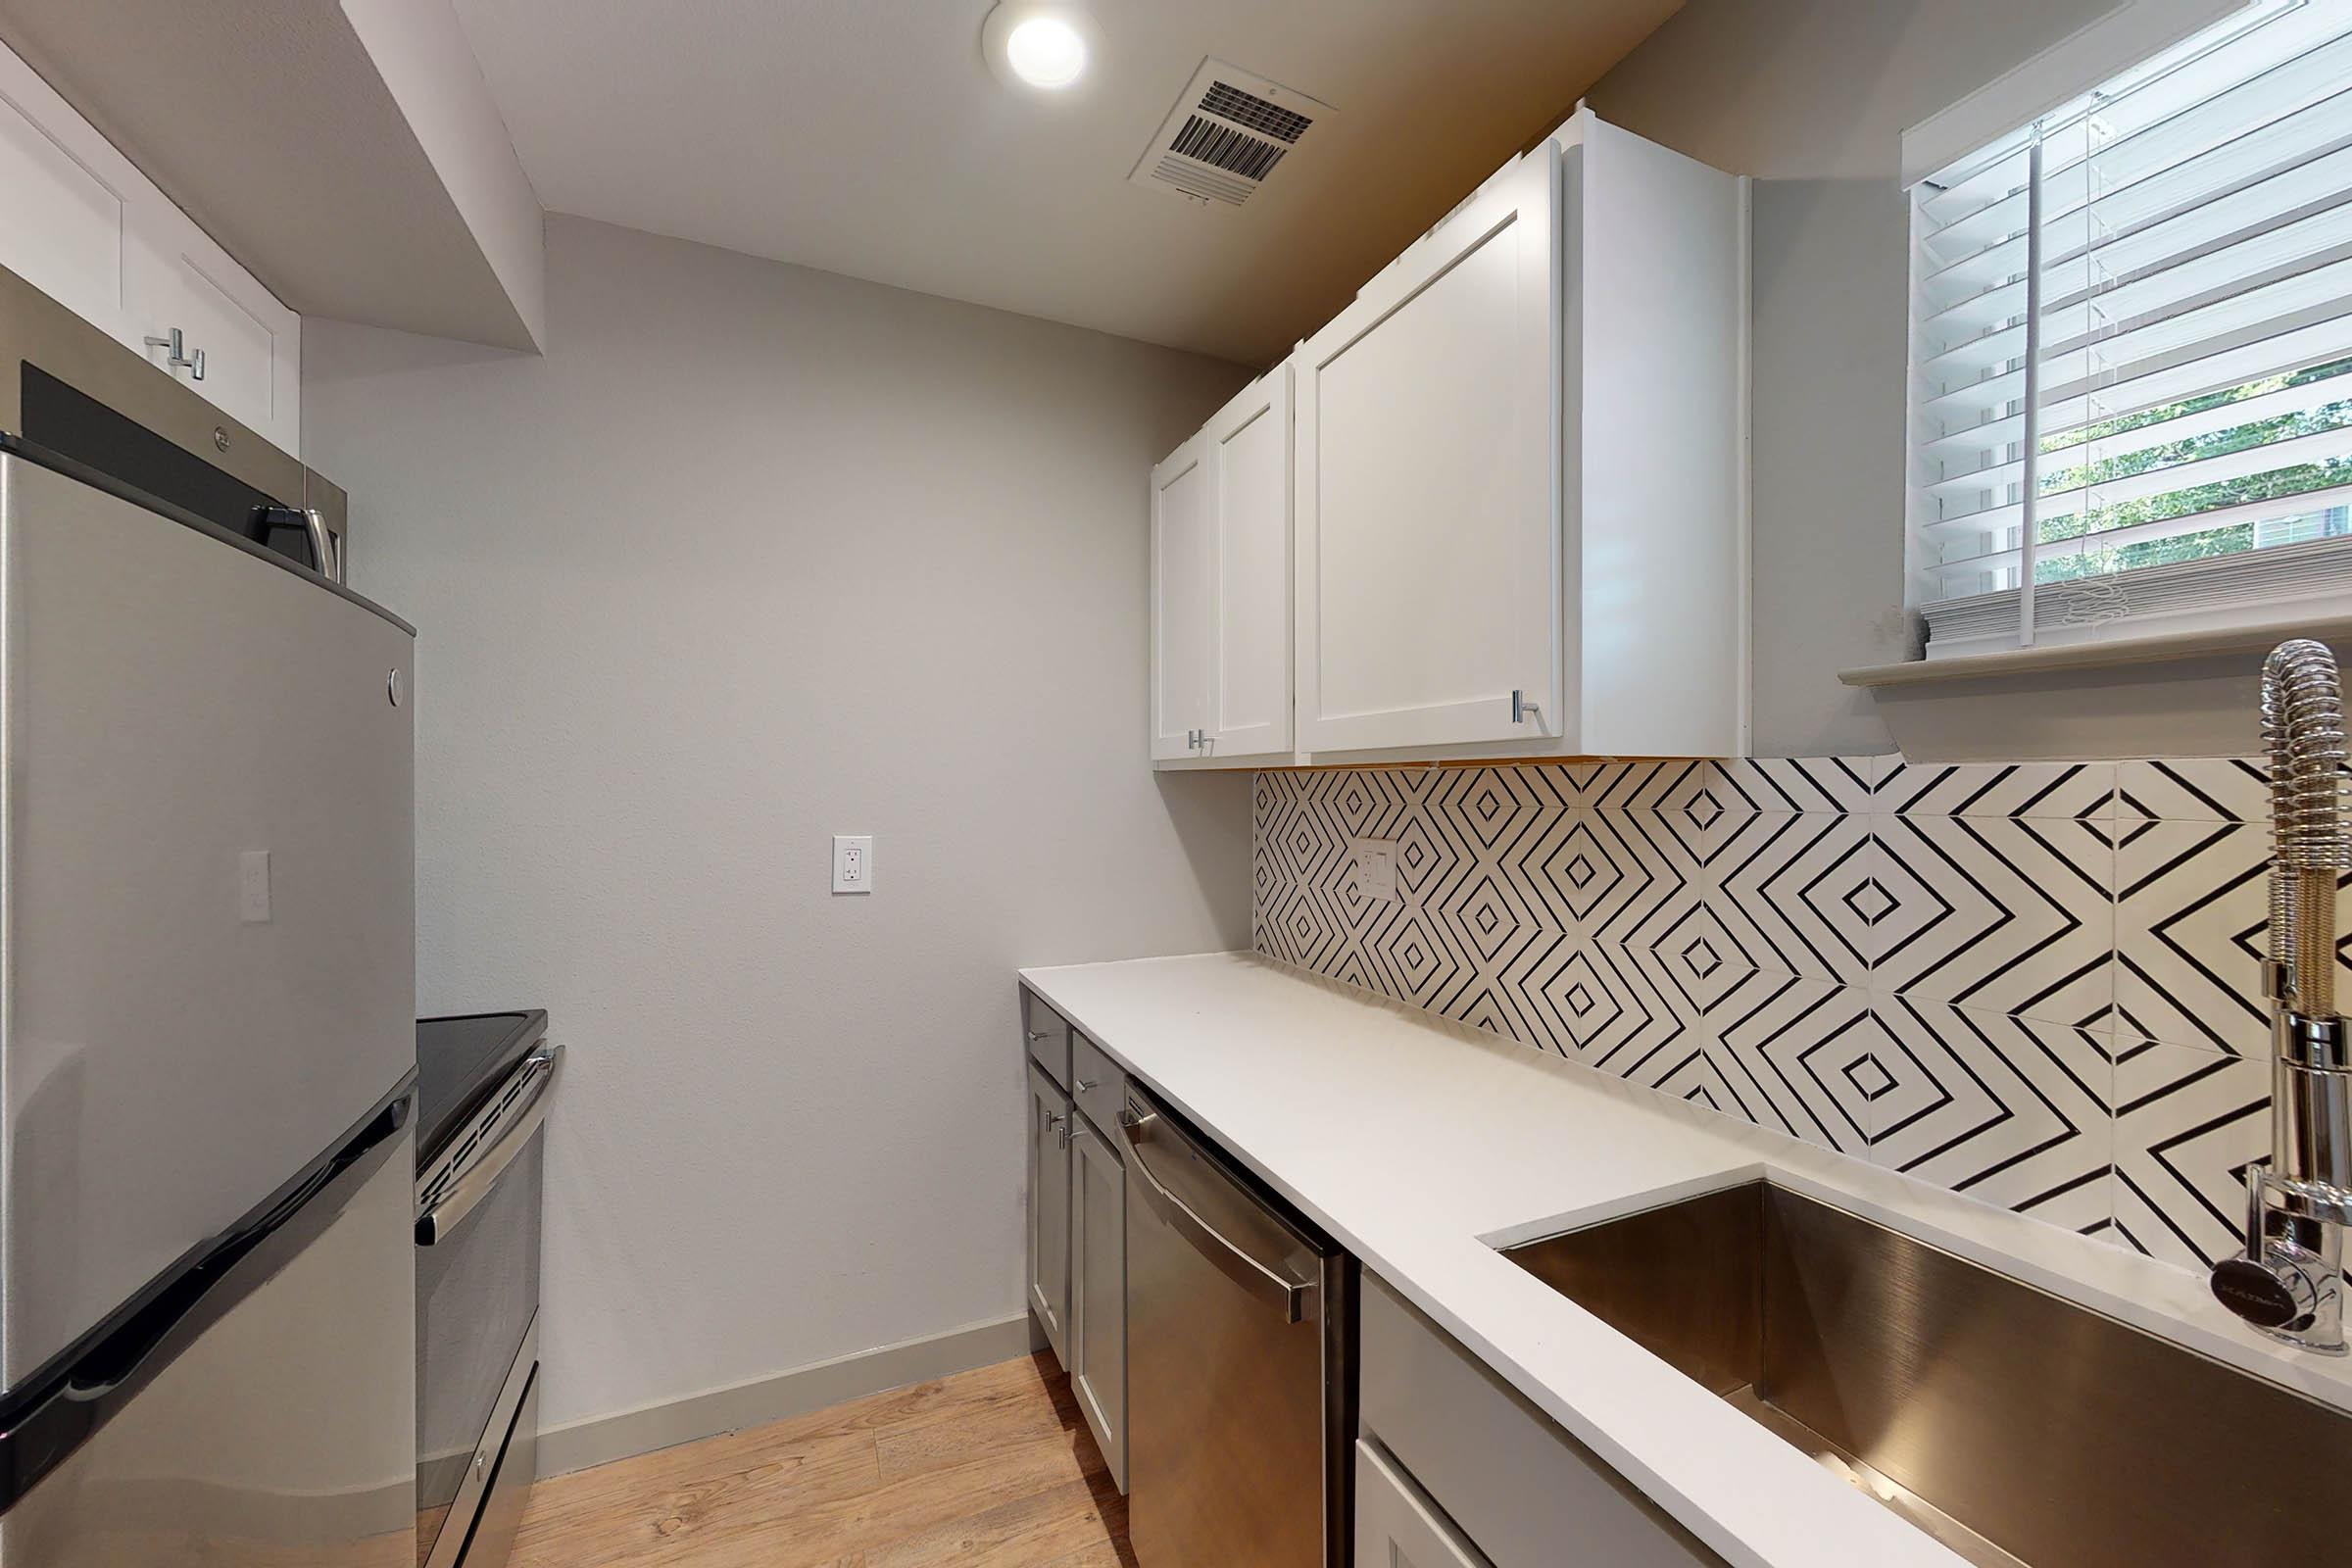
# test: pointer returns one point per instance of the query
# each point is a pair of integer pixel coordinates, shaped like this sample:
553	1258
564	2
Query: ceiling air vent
1229	131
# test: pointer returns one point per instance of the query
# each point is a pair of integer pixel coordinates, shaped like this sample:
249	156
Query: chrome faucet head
2291	1281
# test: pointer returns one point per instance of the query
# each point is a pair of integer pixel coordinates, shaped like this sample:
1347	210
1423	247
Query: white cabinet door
67	199
1050	1210
1249	449
1395	1525
1427	483
1183	603
179	278
1097	1359
85	228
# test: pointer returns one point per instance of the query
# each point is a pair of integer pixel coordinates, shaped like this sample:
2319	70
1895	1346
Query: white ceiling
868	137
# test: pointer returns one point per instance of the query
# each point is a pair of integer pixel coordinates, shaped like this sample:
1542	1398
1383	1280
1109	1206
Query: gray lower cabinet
1097	1359
1452	1439
1395	1524
1078	1218
1050	1165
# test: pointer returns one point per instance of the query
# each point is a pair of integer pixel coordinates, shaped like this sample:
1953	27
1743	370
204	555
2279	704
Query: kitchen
857	567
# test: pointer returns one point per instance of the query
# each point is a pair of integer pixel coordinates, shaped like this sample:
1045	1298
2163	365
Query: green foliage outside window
2223	540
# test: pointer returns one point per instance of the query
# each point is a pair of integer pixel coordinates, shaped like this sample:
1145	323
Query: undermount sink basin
2012	1426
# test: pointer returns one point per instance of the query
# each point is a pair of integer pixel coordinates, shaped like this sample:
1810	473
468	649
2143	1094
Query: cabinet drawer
1499	1468
1048	1037
1396	1526
1097	1084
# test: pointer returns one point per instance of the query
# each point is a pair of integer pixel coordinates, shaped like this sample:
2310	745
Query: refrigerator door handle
474	1184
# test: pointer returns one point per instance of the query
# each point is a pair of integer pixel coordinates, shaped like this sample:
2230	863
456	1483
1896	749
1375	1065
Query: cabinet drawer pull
1035	1035
1083	1085
179	357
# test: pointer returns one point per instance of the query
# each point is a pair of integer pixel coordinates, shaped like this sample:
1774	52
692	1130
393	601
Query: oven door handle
474	1183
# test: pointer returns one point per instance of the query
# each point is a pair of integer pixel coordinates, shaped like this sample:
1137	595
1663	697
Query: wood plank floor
992	1467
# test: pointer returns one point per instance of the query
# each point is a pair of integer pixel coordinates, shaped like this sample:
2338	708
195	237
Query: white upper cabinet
1427	498
1182	600
181	280
1247	448
1520	472
1221	585
88	229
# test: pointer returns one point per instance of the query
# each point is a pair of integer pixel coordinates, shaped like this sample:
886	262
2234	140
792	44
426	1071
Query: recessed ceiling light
1043	44
1046	52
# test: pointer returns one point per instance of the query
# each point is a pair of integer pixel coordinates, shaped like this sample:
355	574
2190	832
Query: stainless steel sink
2013	1426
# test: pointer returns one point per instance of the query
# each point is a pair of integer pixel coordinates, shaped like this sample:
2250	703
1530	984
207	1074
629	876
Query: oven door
477	1305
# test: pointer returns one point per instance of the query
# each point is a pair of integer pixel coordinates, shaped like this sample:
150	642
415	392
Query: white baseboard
600	1439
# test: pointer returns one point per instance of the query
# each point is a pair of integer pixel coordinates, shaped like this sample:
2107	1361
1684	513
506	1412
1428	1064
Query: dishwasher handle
1235	1262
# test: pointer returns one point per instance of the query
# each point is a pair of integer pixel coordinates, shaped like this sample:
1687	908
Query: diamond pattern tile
2201	789
2080	790
2187	1122
2029	984
2192	927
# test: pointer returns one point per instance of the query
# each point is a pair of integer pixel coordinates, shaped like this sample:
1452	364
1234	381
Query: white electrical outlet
1376	869
853	862
253	887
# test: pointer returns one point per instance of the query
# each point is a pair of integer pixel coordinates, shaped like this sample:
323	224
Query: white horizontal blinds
2190	327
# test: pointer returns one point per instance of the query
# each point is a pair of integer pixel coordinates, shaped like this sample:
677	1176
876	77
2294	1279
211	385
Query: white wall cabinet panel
1249	450
1183	603
1221	586
1520	472
85	228
64	229
1426	503
252	345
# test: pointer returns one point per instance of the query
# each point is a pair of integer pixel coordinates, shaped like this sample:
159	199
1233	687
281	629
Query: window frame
2063	613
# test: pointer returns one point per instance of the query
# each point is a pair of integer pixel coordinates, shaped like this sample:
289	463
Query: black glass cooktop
458	1061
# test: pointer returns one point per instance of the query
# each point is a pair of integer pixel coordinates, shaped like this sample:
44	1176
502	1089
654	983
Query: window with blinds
2132	355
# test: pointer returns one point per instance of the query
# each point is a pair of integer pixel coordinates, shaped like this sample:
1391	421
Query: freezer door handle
1243	1267
474	1184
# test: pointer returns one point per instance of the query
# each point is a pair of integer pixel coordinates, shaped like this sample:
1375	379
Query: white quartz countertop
1418	1143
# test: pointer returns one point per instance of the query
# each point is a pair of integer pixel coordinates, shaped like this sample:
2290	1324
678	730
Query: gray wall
1812	97
754	556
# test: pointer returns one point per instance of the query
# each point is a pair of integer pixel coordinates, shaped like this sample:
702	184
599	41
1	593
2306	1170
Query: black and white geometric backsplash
2033	984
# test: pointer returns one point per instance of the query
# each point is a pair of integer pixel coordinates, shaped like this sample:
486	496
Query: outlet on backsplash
1376	869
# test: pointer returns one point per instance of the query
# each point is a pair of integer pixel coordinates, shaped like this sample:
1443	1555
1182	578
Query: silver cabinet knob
1082	1085
1036	1035
178	358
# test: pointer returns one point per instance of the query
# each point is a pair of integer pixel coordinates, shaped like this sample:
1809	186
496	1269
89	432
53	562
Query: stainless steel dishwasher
1241	1362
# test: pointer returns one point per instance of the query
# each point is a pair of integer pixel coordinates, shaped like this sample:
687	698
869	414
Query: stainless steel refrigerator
207	988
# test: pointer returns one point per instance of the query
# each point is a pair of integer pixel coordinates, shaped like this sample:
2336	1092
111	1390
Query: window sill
2175	694
2118	653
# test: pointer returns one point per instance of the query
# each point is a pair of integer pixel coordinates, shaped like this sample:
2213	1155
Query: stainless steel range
483	1085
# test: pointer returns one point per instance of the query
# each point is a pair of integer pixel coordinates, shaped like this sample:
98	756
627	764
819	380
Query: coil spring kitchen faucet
2290	1282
